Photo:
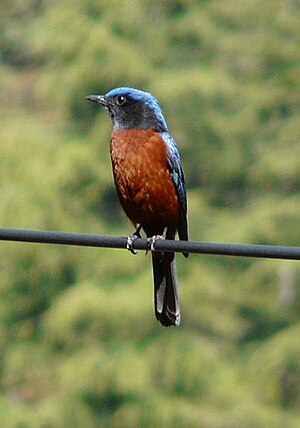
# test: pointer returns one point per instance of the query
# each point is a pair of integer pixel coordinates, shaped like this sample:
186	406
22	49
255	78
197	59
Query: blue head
132	109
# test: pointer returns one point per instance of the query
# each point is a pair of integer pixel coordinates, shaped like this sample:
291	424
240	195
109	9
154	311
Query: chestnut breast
143	180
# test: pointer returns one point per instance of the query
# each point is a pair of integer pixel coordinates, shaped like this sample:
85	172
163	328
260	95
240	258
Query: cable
89	240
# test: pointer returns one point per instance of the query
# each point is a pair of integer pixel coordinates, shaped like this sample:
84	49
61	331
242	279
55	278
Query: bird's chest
142	177
138	158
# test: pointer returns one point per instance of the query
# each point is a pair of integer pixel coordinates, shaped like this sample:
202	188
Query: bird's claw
152	240
132	238
130	242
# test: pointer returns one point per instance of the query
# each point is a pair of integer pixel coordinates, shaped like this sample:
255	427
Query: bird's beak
99	99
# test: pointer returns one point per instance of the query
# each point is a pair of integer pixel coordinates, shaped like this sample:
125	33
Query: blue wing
179	182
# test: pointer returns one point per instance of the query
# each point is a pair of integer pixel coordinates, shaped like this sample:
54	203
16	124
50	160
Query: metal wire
89	240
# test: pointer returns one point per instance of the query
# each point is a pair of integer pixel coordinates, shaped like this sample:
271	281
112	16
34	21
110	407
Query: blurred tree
79	345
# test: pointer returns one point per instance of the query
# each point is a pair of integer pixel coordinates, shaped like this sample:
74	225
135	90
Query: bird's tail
166	299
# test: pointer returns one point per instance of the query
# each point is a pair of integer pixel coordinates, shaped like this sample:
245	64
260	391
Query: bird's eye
121	100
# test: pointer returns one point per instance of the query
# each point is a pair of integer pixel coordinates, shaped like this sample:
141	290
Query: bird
150	184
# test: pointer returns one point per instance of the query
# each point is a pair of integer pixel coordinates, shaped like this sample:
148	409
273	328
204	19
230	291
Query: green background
79	345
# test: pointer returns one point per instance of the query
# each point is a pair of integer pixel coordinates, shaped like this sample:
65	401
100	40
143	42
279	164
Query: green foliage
79	343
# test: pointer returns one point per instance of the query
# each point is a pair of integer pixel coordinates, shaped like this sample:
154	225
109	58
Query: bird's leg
132	238
154	238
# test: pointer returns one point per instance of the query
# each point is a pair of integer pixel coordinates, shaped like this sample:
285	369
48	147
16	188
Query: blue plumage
178	180
126	118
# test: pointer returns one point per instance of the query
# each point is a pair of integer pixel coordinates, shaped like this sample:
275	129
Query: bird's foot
152	240
132	238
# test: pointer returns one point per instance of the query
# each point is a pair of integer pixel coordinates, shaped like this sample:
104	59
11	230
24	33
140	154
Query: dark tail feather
166	298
